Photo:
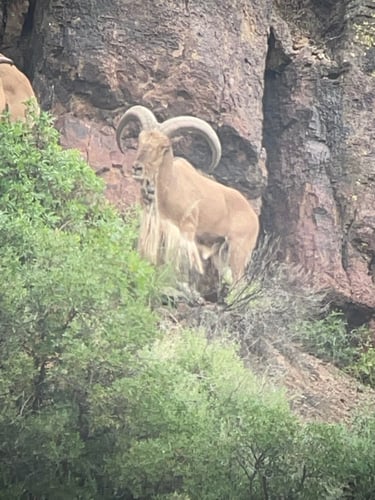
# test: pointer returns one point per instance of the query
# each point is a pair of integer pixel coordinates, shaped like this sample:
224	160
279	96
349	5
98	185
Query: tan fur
191	215
15	90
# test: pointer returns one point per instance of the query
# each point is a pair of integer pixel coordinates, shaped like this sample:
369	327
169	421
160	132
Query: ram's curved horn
173	126
144	116
5	59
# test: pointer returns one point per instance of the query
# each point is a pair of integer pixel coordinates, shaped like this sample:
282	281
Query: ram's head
154	141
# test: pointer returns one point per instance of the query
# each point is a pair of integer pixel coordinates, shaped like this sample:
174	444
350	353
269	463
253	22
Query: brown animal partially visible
15	90
186	212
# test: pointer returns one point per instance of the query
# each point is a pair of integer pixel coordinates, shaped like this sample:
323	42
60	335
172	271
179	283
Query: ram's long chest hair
160	240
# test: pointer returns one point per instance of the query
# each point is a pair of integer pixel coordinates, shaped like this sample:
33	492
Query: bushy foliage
74	309
364	367
329	339
360	482
208	429
95	401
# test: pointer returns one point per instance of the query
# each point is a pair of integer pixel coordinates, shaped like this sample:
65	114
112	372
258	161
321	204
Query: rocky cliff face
319	126
288	85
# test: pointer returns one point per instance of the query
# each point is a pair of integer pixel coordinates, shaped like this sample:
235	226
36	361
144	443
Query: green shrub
74	309
207	428
364	367
329	339
360	472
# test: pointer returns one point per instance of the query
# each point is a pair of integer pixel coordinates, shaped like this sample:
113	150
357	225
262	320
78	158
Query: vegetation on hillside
97	401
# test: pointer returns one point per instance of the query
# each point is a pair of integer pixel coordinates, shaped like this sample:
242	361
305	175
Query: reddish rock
96	142
319	101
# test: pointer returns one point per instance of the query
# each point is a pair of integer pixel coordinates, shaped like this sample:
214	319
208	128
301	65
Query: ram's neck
166	181
166	172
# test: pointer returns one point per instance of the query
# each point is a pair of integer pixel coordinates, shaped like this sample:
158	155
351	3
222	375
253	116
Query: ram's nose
137	170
